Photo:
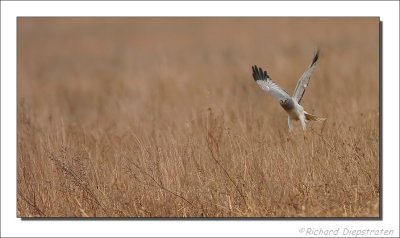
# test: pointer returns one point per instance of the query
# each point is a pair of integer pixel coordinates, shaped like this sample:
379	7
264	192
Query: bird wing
264	81
304	80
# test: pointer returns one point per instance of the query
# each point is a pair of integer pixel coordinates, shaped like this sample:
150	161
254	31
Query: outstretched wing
264	81
302	83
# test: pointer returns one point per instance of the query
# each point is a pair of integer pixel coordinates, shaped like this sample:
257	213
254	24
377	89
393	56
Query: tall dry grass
160	117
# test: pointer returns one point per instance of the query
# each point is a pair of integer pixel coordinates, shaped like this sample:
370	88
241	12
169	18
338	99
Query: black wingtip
259	73
315	57
256	75
254	68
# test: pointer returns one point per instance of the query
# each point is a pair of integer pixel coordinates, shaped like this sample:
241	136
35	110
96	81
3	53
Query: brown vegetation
158	117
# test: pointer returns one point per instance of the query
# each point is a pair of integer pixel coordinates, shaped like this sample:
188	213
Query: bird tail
310	117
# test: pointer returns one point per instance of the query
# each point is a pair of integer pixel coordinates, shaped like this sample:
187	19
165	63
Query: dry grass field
160	117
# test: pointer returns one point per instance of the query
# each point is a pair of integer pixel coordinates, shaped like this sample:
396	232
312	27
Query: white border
11	226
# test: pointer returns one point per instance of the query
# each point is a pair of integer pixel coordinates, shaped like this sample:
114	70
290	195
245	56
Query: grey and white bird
291	104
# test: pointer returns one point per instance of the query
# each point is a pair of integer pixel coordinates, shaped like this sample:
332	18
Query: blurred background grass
161	117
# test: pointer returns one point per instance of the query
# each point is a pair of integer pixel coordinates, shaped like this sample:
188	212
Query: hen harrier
291	104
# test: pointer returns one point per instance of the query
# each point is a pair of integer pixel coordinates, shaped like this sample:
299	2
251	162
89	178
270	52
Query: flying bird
291	104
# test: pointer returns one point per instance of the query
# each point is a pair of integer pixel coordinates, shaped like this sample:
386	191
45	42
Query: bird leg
288	138
290	124
303	125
